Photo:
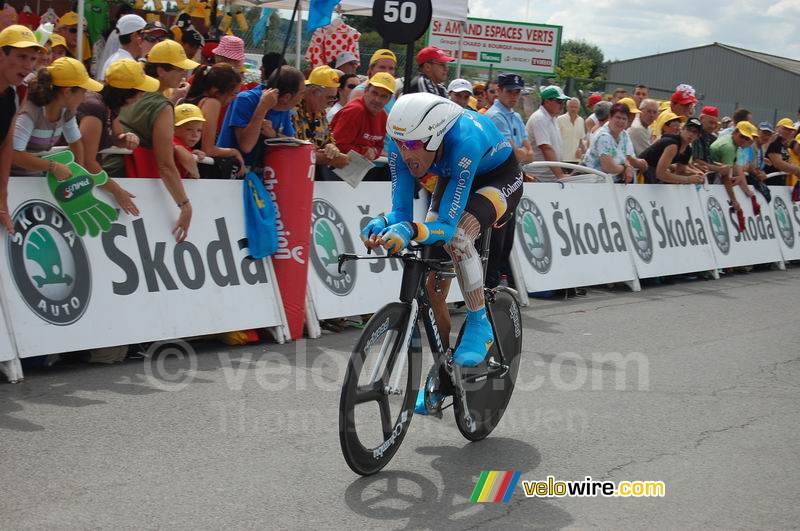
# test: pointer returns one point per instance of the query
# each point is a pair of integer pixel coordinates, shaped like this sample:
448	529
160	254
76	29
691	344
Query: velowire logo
719	225
49	263
534	236
784	220
639	229
330	239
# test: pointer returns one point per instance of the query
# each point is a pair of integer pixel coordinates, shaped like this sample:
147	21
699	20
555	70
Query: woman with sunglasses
347	83
152	119
480	182
98	120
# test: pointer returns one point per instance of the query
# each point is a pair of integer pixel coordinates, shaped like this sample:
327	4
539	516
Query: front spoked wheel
379	391
488	387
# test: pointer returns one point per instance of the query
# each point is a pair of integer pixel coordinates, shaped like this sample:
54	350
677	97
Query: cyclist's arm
402	188
464	163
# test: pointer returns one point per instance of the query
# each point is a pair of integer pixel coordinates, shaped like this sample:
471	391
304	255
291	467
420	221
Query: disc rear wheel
489	389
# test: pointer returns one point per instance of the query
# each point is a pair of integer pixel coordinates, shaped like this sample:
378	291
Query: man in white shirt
543	132
639	132
572	130
124	42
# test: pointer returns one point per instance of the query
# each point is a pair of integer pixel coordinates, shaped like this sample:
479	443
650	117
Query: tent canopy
450	9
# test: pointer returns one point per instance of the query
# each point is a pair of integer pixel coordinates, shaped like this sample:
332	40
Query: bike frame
413	293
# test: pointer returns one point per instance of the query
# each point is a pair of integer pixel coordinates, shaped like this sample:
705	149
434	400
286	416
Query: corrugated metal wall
725	79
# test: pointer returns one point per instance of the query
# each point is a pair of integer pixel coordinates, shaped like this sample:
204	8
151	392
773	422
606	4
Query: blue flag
320	13
260	29
259	218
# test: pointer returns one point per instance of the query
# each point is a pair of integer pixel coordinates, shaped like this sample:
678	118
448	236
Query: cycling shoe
420	408
476	341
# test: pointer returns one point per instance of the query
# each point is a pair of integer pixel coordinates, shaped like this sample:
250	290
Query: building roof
783	63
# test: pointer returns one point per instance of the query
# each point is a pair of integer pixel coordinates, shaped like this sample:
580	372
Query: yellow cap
129	74
69	72
630	104
747	129
70	18
664	105
18	36
668	116
186	112
383	53
170	53
323	76
473	103
384	80
57	40
787	123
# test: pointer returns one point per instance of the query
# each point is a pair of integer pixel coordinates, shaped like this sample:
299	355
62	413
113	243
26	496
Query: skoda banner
7	350
667	229
569	236
338	214
786	216
757	244
133	283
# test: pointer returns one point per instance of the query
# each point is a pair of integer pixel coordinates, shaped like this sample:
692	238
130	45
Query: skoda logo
534	237
639	229
330	238
719	225
784	222
49	263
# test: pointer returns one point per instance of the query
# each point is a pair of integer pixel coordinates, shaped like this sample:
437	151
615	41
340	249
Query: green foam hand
76	198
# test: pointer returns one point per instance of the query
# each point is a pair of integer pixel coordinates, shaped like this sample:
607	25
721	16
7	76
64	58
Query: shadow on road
397	495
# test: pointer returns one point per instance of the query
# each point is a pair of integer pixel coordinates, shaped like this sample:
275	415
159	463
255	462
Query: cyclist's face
418	160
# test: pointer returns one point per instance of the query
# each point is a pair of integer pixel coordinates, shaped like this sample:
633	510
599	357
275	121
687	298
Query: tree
581	54
573	65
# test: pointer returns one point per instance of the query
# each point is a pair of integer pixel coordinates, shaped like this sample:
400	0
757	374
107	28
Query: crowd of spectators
639	139
173	101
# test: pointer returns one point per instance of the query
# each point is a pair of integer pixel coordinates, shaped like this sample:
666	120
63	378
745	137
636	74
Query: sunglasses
411	145
351	86
478	94
154	38
73	30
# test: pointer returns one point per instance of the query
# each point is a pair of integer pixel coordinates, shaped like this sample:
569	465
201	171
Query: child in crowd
188	133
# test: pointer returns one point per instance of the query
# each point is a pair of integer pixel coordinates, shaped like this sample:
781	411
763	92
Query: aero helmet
422	116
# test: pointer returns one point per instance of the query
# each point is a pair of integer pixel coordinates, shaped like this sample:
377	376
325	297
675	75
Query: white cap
344	58
128	24
459	85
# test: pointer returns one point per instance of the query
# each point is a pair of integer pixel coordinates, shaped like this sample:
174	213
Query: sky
624	29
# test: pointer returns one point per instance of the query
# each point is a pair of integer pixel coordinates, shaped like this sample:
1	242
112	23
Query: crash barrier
135	284
132	283
338	214
571	235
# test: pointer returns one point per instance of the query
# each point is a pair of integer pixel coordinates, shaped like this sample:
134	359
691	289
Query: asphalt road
708	403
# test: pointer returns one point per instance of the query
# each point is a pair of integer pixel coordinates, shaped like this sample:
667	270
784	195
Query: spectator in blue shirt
502	113
264	111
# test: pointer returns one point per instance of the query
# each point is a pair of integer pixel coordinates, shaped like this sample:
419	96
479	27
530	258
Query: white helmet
422	116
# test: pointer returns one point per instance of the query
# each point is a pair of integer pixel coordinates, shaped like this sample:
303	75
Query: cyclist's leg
500	194
437	296
438	290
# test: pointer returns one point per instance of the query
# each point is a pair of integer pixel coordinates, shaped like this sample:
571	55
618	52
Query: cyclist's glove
374	227
397	236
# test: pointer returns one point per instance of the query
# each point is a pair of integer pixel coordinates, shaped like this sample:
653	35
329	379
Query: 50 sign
402	21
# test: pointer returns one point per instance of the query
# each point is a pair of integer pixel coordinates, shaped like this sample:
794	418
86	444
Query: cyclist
479	180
